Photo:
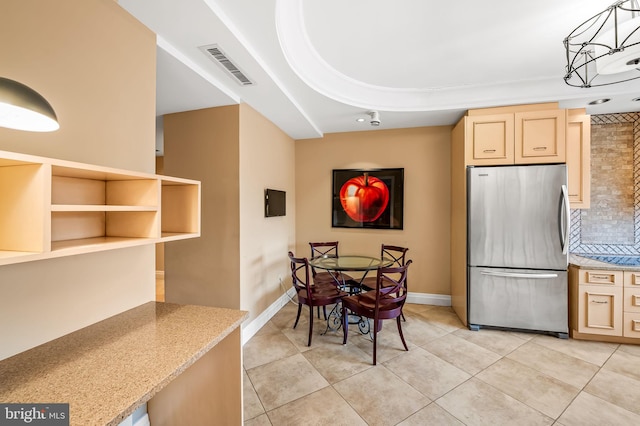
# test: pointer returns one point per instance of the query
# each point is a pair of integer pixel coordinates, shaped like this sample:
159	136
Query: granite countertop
108	369
585	262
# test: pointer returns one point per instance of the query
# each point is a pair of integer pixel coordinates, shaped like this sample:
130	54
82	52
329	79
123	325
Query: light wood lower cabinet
600	310
605	305
51	208
631	304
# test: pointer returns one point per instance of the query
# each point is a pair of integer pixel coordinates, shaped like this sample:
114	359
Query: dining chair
395	253
311	293
385	302
327	249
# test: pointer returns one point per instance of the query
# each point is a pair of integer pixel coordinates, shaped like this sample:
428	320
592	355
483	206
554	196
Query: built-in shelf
51	208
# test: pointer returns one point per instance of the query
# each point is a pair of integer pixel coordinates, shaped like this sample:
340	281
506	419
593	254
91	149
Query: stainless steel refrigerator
518	238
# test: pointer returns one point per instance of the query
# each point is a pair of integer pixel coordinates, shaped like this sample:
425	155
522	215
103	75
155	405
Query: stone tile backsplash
611	225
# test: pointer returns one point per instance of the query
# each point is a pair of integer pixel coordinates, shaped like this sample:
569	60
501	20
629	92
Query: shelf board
174	236
52	208
100	208
87	245
8	257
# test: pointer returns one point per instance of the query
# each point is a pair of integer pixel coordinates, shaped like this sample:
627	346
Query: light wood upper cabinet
490	139
51	208
523	134
540	136
579	158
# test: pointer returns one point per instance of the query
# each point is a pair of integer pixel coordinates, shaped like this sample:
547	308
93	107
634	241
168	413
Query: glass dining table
349	263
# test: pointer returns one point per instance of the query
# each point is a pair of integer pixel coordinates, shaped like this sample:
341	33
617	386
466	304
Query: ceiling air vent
216	54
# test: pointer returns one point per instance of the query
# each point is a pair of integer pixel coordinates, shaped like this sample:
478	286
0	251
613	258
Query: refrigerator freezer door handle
564	239
518	275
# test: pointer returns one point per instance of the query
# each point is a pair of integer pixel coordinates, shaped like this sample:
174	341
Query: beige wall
96	66
424	153
241	256
267	158
203	145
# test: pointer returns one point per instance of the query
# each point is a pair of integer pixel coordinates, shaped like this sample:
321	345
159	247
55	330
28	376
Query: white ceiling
319	65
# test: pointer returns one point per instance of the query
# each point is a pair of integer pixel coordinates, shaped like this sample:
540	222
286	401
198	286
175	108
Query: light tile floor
449	376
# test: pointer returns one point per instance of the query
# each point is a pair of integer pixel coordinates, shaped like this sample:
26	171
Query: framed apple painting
368	198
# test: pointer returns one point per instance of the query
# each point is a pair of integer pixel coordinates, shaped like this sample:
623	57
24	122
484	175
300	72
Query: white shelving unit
51	208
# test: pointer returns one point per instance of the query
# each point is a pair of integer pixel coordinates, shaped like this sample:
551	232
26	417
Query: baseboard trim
249	330
429	299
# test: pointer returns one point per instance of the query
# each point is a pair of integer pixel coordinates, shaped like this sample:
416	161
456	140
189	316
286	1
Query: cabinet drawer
609	278
632	279
631	324
631	299
601	310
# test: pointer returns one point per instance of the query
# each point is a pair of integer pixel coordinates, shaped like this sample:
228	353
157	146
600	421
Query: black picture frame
362	208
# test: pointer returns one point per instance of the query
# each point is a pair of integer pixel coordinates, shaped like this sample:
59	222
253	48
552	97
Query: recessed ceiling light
360	119
599	101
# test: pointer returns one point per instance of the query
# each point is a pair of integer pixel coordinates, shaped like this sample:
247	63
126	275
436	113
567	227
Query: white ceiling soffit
319	65
182	85
182	26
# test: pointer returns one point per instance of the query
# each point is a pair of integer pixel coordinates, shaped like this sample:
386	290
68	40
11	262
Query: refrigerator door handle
518	275
565	222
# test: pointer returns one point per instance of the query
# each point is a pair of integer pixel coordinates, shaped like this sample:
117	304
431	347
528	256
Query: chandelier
605	49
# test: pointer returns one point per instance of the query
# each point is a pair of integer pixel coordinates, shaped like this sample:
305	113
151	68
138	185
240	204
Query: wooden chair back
300	274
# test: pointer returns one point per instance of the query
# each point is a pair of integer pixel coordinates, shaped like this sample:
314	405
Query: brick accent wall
611	225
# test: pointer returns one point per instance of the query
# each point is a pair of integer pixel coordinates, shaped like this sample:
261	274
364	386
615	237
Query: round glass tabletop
349	263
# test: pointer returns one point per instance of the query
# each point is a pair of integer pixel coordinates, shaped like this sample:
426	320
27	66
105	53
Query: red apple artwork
364	198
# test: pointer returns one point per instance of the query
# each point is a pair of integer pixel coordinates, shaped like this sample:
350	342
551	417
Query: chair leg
345	324
310	324
401	335
376	324
324	310
298	316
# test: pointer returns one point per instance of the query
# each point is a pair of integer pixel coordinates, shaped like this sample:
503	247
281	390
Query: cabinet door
600	310
579	160
489	139
540	137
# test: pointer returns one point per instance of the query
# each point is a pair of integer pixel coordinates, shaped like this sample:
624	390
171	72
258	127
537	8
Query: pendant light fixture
605	49
22	108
